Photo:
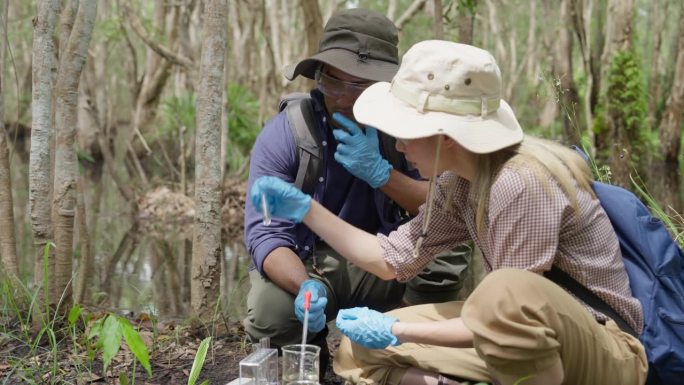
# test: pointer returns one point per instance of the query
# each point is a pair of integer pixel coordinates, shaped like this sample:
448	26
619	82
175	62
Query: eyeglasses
338	88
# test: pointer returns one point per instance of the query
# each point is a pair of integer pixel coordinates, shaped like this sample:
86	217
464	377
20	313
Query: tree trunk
391	9
172	277
580	14
157	73
162	296
466	24
206	255
8	242
127	246
313	25
671	129
40	181
612	140
657	21
618	32
86	264
66	162
494	25
438	26
566	87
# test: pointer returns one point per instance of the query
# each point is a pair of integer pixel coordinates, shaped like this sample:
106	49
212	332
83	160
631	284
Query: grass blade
199	361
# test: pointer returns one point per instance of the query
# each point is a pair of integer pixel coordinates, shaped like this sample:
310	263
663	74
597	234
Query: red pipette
307	306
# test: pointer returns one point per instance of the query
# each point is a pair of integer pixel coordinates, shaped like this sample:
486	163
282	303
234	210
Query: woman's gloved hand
283	199
359	152
367	327
319	299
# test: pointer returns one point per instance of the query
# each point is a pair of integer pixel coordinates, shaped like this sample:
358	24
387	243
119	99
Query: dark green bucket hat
358	41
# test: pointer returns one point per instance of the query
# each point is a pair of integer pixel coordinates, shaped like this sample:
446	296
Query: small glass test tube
265	211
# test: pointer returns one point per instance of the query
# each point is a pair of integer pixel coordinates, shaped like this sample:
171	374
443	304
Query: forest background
126	127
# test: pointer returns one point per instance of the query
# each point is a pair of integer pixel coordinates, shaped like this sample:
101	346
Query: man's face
340	90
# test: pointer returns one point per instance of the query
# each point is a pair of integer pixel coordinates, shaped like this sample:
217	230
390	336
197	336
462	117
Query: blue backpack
655	265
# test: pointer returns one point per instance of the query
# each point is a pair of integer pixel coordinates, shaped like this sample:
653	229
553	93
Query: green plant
109	332
18	295
624	103
673	223
243	112
198	363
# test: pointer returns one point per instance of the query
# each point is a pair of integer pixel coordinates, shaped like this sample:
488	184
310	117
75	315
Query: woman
528	205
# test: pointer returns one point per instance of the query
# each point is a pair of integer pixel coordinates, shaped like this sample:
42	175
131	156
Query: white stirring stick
264	210
307	305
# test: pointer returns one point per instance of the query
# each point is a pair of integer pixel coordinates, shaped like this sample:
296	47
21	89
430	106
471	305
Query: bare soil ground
172	347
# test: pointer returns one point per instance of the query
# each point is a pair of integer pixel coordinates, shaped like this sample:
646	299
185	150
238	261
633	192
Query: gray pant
270	309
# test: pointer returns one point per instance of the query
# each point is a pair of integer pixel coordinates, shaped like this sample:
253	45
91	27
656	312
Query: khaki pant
270	309
523	323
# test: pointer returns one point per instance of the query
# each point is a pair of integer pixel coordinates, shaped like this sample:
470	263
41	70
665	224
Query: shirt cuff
393	257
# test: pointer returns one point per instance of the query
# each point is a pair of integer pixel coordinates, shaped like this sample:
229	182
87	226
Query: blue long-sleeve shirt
353	200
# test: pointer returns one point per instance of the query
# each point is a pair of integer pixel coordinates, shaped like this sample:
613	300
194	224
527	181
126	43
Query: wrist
396	330
382	174
305	208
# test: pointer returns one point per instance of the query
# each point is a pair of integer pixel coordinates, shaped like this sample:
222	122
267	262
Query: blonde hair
544	158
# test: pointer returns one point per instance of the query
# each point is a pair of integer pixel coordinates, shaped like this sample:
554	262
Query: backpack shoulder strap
305	130
564	280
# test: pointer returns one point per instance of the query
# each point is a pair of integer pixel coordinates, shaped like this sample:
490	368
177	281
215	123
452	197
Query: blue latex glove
367	327
359	152
317	308
283	199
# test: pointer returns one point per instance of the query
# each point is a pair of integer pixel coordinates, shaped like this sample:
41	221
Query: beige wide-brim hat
443	88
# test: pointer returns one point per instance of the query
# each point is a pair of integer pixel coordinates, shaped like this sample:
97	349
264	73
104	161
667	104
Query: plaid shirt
528	226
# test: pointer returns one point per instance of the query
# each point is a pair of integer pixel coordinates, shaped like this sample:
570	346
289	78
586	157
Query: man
358	47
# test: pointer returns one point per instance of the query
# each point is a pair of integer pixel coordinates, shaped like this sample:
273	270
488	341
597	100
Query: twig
161	50
409	13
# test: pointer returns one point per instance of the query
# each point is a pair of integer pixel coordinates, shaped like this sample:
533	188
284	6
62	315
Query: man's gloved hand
367	327
317	308
359	152
283	199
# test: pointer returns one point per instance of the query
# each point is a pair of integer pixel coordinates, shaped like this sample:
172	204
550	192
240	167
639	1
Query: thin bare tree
466	21
66	162
613	141
568	95
580	14
437	13
8	242
40	171
671	129
656	21
85	268
206	252
313	25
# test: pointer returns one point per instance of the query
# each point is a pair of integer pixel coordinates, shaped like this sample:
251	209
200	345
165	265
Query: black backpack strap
564	280
300	116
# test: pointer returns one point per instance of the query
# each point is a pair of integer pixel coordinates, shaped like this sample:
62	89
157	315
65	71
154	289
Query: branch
161	50
410	12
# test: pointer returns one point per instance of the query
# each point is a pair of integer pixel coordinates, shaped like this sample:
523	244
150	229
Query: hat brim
344	60
377	107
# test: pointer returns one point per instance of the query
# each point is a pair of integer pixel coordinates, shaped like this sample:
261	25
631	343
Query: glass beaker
260	368
300	363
